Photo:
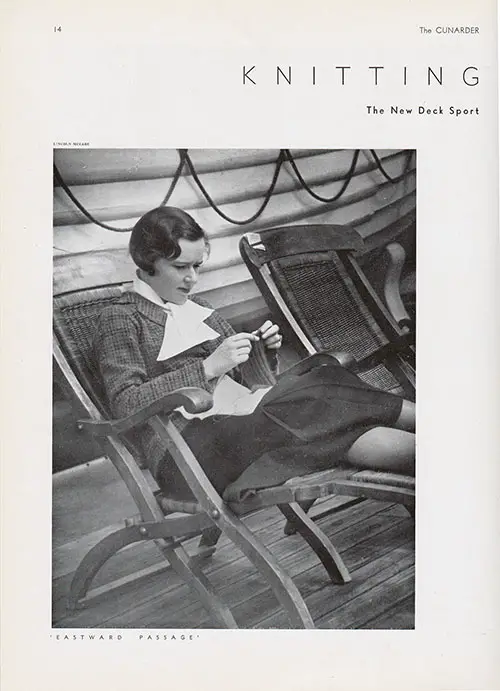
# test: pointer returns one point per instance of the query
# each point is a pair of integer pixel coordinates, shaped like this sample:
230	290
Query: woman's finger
275	338
243	336
270	331
274	342
262	329
244	343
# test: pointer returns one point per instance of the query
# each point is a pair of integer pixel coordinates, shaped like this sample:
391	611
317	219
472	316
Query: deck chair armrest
392	294
402	346
318	359
193	399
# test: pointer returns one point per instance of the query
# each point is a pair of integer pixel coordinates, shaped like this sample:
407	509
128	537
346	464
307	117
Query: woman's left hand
270	334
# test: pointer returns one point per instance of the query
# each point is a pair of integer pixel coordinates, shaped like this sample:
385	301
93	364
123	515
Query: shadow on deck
375	539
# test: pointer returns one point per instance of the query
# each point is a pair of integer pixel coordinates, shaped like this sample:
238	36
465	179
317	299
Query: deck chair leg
94	560
281	583
314	536
206	545
177	558
210	537
192	575
230	524
290	526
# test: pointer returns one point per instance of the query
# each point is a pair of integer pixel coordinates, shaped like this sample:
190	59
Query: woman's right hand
233	351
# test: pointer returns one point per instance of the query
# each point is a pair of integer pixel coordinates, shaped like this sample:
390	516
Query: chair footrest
382	486
379	478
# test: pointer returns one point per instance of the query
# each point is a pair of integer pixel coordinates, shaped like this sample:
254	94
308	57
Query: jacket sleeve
123	370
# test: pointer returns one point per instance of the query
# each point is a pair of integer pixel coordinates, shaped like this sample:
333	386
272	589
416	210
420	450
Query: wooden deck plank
87	498
132	557
298	559
399	616
66	557
375	539
355	613
162	601
139	555
321	595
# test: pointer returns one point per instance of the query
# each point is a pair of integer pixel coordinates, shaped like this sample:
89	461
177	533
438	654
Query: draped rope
386	175
175	179
58	177
267	196
284	155
327	200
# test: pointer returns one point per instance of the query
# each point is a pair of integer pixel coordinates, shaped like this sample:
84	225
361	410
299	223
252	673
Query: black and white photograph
234	388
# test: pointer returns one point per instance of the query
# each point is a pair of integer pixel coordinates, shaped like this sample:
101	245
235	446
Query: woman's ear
143	273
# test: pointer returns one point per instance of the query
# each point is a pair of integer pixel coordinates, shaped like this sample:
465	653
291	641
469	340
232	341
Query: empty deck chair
323	302
317	292
169	522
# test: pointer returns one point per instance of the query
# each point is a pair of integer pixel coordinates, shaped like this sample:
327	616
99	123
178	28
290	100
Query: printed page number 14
57	29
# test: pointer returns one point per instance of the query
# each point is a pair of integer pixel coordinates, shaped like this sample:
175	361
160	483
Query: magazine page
259	447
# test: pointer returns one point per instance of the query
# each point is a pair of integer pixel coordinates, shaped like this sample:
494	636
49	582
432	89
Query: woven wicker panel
326	304
75	319
382	378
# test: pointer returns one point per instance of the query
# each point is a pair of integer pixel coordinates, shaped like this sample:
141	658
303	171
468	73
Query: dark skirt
304	424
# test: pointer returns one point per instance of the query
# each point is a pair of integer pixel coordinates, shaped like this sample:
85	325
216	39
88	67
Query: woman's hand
233	351
270	334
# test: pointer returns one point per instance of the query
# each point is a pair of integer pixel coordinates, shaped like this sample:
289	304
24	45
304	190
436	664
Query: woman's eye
196	267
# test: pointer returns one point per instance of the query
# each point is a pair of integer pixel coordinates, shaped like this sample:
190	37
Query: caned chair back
75	317
310	274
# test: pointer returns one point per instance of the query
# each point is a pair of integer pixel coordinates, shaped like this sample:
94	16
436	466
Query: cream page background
165	74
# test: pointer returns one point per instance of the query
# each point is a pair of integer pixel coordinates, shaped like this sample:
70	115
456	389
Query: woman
157	338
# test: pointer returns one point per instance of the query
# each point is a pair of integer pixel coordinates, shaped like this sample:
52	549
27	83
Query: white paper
230	398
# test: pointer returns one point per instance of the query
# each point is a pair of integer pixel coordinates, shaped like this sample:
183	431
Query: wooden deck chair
320	297
317	292
169	522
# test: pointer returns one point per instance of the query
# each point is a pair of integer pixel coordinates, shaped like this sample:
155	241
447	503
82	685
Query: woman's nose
191	276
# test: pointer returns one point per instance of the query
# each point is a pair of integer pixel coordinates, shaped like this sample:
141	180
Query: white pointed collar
185	326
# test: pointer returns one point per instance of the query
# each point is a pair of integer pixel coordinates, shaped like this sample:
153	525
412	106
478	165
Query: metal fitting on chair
215	514
143	530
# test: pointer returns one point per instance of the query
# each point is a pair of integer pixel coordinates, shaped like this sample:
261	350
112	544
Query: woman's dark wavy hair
156	235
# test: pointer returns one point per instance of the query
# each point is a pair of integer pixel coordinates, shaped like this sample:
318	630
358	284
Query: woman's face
174	279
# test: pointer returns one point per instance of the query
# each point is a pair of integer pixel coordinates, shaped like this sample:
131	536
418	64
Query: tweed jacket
128	338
